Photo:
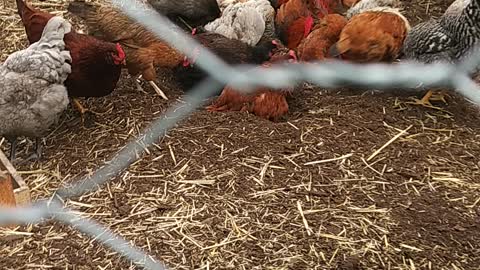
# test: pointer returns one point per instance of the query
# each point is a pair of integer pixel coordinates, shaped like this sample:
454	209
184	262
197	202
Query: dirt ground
232	191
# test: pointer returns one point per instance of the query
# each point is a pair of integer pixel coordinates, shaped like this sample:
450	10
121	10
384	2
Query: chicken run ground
232	191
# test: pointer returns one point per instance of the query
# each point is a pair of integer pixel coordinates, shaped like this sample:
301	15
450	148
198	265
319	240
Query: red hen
96	64
263	102
295	19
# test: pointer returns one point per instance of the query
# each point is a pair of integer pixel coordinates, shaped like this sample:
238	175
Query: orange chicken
281	2
262	102
295	19
375	35
324	35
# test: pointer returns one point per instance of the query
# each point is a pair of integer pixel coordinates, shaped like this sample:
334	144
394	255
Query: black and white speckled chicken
447	39
32	91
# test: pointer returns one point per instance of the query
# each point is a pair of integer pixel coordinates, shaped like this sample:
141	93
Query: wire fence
328	74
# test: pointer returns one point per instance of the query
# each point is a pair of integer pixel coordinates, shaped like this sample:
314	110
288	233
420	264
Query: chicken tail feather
21	7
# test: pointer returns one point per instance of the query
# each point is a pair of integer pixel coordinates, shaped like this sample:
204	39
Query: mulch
327	188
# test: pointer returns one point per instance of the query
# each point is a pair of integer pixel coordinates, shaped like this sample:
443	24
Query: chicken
262	102
230	50
144	50
192	13
447	39
33	94
239	22
293	22
277	3
296	18
358	7
248	21
373	35
318	42
96	64
349	3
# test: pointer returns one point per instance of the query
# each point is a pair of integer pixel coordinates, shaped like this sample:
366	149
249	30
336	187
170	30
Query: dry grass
350	181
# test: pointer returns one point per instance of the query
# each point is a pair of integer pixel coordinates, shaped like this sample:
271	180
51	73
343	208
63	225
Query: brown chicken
232	51
96	64
349	3
144	50
296	18
262	102
277	3
324	35
372	36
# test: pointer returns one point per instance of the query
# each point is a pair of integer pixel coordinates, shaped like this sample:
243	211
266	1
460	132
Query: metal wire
327	74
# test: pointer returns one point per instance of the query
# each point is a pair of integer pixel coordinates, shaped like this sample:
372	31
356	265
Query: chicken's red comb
121	53
308	26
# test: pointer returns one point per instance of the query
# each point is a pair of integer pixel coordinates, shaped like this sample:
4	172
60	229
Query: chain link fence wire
327	74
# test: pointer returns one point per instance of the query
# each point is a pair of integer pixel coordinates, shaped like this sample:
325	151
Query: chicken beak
293	56
185	62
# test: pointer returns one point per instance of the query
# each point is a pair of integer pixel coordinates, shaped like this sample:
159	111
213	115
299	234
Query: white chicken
250	21
32	94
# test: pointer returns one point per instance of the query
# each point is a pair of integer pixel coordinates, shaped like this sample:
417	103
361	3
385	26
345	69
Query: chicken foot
139	87
76	103
243	107
38	151
37	155
154	86
425	101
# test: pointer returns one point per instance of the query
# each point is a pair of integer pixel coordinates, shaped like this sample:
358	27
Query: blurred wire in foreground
327	74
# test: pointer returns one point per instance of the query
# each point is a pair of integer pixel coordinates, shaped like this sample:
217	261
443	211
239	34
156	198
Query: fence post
7	197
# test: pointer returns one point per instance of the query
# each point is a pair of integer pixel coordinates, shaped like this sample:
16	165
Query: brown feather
325	34
144	50
372	36
262	102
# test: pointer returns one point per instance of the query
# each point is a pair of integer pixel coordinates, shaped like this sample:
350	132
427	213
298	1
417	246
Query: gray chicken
32	94
251	21
448	39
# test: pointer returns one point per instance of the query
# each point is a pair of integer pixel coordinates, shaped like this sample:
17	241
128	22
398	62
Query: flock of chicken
63	64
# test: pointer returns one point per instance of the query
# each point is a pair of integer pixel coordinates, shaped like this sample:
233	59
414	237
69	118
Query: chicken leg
36	155
13	148
79	106
83	111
